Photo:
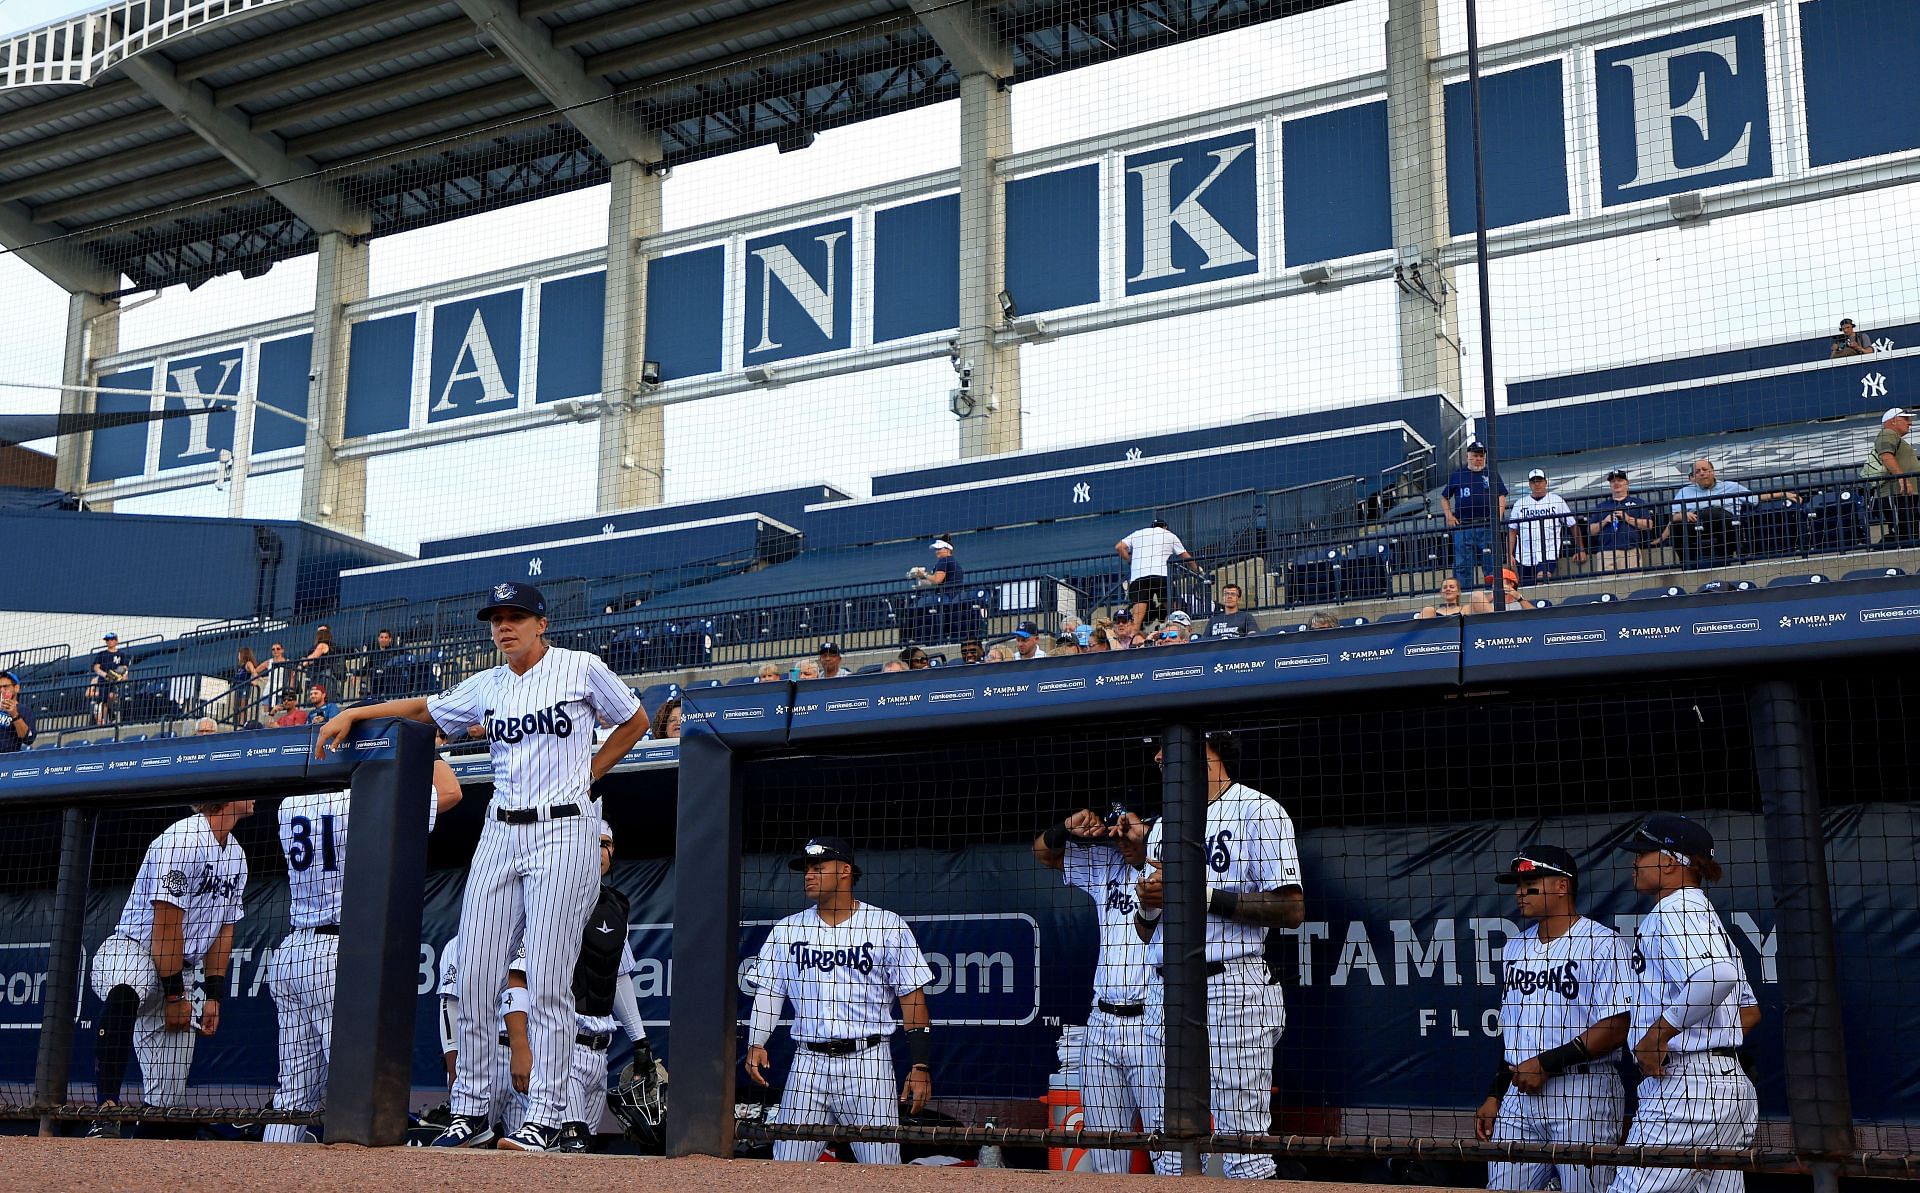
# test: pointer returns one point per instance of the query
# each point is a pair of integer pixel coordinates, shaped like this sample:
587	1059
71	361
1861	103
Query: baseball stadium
1003	593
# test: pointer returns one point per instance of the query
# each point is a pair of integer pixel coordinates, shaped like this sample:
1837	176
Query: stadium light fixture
1689	206
762	375
1316	275
1009	310
1031	328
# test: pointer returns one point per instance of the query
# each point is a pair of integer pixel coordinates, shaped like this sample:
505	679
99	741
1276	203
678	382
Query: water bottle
990	1155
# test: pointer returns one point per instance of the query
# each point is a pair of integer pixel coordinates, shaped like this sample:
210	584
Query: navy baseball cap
1538	861
1670	833
1026	629
509	595
824	849
109	636
1477	446
832	648
1123	613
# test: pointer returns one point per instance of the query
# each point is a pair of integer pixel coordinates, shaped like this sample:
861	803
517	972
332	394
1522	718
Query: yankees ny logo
1082	492
1873	385
533	566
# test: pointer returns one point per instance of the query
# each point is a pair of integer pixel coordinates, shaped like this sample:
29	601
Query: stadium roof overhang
172	141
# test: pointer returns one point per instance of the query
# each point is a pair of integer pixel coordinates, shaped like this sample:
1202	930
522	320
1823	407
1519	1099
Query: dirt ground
140	1166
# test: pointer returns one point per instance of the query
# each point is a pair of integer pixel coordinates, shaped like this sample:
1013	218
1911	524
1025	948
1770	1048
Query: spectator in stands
321	707
110	666
1850	342
1001	653
666	720
915	658
945	569
1231	621
893	665
972	652
1619	525
204	726
1534	529
319	665
1891	461
16	726
1482	600
1147	552
279	671
290	714
247	683
1468	500
1097	641
1179	629
1321	619
830	667
769	673
808	669
1123	632
1703	513
384	641
1449	604
1070	624
1026	642
1064	644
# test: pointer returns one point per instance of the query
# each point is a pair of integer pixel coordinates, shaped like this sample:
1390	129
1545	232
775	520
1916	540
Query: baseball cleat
102	1128
531	1137
466	1130
573	1139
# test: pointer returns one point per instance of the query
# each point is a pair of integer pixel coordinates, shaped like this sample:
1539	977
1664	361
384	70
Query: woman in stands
321	668
666	720
247	684
1449	604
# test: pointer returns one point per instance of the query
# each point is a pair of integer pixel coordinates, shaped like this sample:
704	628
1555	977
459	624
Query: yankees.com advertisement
1391	984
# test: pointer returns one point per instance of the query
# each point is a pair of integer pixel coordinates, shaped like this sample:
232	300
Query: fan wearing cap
1468	500
945	568
1892	462
830	666
1026	642
1534	525
1687	1018
536	872
109	669
1618	526
1177	630
843	964
1482	600
1565	983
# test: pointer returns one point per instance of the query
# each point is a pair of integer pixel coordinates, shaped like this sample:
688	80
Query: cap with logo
510	595
832	648
1065	640
1026	629
1670	833
109	636
1539	861
1896	412
1538	474
1617	474
824	849
1124	614
1477	447
1179	617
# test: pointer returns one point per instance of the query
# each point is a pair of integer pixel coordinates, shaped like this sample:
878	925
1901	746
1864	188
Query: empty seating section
783	505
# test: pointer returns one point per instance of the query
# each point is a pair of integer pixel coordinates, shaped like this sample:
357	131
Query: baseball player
507	1057
313	835
1121	1064
1688	1023
1253	883
535	874
1563	1017
843	963
185	901
604	999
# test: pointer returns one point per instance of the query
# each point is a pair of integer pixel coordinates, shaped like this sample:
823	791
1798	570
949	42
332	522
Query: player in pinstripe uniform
313	835
535	873
1253	883
507	1057
1563	1016
1121	1062
188	895
1688	1015
843	963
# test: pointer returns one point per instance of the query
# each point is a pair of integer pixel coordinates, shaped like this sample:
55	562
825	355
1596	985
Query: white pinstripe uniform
188	867
313	835
1552	992
535	881
1249	847
1705	1099
843	979
1122	1067
508	1106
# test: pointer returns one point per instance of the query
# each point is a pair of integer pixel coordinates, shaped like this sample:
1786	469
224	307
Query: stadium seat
1793	581
1589	598
1647	594
1725	586
1389	618
1541	603
1313	578
1773	530
1873	574
737	680
869	669
131	737
626	649
657	694
1349	622
704	683
1836	521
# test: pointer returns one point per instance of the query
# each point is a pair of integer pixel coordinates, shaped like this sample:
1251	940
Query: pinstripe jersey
313	835
1553	991
189	868
539	725
843	978
1122	974
1250	847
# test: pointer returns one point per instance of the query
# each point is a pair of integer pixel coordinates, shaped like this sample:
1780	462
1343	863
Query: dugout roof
144	131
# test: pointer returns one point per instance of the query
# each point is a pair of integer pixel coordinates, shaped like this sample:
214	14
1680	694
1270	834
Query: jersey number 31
300	850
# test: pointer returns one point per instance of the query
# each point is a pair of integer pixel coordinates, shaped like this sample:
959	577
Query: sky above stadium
1683	289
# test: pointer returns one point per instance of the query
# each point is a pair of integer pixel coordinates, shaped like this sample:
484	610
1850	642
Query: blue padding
734	538
686	300
1432	416
1109	487
1053	239
465	332
782	505
1861	69
1523	127
284	365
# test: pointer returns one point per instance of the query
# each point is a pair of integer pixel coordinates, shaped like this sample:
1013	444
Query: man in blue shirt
1704	512
320	709
16	727
1618	525
109	668
1469	501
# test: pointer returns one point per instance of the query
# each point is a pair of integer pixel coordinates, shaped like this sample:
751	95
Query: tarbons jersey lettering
550	721
857	957
1563	979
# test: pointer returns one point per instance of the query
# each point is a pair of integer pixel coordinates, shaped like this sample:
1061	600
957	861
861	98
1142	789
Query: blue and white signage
1193	213
1683	112
798	293
475	364
208	428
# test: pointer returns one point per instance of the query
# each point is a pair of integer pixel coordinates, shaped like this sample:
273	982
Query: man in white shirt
1146	552
1533	531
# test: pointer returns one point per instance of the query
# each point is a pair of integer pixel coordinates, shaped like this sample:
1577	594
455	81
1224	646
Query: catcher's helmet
639	1100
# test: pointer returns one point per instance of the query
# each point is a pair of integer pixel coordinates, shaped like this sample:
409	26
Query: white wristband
1149	915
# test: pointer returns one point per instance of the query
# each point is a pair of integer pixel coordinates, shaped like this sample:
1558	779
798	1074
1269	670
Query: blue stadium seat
1349	622
869	669
1366	572
1313	578
737	680
1725	586
1793	581
1873	573
704	683
134	737
78	741
1774	529
1590	598
1389	618
1540	603
1647	594
626	649
1836	520
657	694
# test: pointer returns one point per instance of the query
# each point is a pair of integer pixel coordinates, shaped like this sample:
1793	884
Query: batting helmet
639	1100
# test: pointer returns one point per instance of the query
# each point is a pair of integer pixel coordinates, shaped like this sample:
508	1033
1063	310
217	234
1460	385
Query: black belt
1126	1010
842	1047
1214	969
327	930
1728	1052
598	1042
532	815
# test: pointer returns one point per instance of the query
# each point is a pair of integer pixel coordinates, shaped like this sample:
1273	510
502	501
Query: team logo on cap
815	849
1523	865
502	592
